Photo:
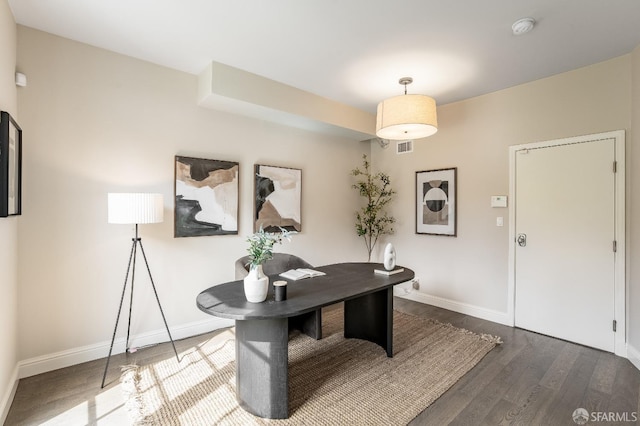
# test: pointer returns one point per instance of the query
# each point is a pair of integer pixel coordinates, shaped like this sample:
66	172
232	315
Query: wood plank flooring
528	380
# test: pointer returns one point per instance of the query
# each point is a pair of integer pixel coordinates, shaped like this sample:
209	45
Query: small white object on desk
300	273
391	272
389	257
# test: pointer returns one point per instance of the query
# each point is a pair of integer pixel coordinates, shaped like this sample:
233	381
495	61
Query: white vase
256	285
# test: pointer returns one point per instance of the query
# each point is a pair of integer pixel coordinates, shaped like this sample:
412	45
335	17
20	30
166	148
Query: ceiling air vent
404	147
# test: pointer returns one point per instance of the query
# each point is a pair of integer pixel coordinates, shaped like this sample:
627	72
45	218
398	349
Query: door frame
620	285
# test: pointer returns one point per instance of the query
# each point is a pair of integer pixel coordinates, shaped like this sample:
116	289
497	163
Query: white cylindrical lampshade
132	208
406	117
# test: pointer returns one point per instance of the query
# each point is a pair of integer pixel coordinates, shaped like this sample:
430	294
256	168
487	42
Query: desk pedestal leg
370	317
262	367
309	323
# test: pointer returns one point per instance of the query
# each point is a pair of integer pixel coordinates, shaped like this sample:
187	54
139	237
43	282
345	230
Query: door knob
522	240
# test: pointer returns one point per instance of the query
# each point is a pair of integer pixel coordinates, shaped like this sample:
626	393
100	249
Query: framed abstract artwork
436	205
277	198
10	166
206	197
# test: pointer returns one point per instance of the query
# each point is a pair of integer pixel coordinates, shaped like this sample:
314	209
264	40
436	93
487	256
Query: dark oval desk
262	329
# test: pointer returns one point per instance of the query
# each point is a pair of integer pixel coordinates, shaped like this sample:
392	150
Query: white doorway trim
620	286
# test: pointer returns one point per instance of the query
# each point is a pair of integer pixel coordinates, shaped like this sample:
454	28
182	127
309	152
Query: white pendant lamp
406	116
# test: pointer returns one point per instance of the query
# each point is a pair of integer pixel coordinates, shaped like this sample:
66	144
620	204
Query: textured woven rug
333	381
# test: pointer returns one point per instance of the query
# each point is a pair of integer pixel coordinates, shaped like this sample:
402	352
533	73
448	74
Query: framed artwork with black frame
206	197
436	204
10	166
277	198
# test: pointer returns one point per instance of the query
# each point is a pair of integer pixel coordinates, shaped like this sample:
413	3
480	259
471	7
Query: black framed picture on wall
436	204
206	197
277	198
10	166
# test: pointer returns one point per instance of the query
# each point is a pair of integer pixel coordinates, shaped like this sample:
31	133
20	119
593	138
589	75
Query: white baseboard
452	305
50	362
7	398
633	355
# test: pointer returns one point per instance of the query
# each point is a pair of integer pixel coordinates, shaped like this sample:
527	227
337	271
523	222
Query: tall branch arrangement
372	220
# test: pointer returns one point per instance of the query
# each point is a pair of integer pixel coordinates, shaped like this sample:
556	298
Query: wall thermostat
498	201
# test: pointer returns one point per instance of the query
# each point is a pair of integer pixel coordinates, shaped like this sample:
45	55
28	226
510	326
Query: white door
564	248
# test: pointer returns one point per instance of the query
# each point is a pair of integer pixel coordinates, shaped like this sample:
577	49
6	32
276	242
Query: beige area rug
333	381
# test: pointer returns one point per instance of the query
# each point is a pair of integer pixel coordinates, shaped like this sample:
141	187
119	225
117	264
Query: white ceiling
354	51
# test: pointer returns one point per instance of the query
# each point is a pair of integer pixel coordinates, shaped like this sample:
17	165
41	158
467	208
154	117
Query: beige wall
100	122
8	226
633	217
470	272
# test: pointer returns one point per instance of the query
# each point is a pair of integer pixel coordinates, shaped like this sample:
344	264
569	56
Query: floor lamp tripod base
131	267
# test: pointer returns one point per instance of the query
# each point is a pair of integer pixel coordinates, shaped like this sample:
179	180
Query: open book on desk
300	273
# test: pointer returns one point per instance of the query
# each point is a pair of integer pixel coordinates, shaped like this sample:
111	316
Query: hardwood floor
528	380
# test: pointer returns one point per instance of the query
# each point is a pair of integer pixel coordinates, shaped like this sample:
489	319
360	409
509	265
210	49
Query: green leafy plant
372	220
261	245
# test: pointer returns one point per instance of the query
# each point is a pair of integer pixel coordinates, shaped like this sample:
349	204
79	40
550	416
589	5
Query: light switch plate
498	201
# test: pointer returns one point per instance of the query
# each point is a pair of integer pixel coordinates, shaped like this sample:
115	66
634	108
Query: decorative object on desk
389	262
280	290
277	198
388	272
301	273
372	220
256	284
389	257
10	166
351	386
135	208
206	197
436	204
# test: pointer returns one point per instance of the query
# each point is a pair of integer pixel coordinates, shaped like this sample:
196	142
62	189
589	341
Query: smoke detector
523	26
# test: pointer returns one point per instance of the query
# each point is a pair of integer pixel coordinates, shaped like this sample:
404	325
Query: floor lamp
135	209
